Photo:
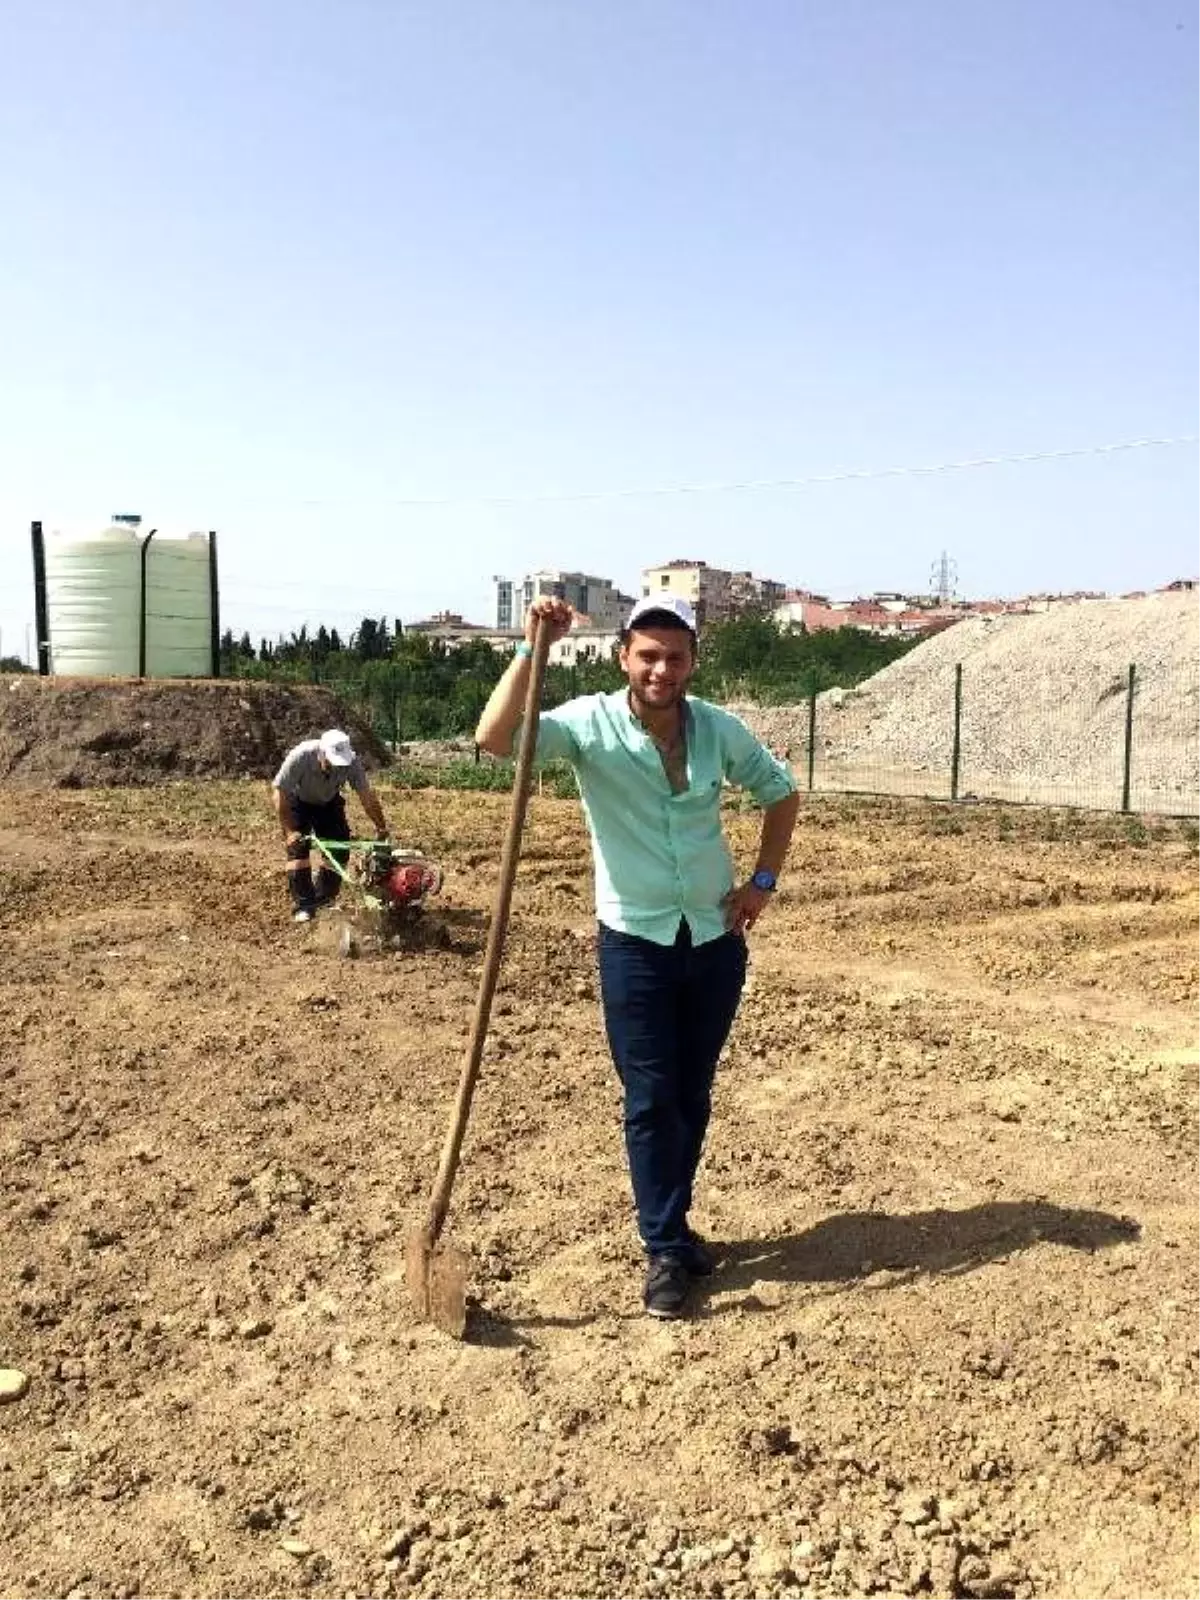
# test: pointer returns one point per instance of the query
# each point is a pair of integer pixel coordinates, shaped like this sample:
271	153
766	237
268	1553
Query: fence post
812	735
214	609
41	609
144	552
1127	769
956	747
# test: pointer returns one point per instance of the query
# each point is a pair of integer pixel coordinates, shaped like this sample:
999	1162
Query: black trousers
328	822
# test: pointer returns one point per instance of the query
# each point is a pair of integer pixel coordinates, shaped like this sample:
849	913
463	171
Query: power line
859	475
737	486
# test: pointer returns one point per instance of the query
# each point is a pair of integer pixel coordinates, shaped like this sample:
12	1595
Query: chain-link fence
1064	734
1041	739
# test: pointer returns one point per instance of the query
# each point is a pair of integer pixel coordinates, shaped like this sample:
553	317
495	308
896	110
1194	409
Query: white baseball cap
336	748
673	604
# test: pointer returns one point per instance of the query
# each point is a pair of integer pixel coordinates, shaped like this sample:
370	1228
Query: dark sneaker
699	1257
667	1283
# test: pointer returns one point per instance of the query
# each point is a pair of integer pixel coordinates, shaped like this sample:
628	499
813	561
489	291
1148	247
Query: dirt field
952	1346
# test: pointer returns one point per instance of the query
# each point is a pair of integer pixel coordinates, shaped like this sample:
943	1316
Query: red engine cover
407	881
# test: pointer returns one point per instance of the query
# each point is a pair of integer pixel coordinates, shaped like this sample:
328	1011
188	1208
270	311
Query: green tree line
409	686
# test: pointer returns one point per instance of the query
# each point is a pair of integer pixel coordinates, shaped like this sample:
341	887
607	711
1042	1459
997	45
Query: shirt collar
636	722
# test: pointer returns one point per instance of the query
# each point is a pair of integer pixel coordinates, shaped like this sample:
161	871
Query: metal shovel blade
437	1282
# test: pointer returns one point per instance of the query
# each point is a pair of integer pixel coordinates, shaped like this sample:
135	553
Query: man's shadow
855	1246
860	1243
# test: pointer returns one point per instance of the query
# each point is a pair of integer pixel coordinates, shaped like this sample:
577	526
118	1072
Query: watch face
763	880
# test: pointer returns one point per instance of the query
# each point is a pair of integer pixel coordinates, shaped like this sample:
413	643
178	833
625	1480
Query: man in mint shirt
651	763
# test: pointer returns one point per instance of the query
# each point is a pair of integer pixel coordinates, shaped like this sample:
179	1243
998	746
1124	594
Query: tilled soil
951	1347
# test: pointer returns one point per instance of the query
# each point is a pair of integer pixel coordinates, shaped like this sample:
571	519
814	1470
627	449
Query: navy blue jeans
668	1010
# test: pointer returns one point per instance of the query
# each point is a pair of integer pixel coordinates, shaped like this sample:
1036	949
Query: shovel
435	1269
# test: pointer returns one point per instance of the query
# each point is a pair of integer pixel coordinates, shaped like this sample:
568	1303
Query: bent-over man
308	800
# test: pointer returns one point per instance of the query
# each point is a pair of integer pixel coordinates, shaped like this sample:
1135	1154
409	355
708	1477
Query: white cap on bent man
336	748
673	605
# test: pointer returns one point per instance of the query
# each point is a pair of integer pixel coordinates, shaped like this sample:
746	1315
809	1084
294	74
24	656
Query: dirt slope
1043	706
951	1349
85	732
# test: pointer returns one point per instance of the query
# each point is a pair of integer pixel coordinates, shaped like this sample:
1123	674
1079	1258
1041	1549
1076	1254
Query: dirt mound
83	733
1043	706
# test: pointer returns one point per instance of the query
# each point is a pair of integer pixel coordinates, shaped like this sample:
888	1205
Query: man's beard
658	699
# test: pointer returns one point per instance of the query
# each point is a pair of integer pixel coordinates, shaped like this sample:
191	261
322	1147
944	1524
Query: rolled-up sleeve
748	763
556	739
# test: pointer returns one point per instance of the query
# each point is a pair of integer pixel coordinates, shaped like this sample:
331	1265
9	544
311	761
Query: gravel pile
1043	716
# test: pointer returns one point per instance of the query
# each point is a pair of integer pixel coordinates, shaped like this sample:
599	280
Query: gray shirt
303	778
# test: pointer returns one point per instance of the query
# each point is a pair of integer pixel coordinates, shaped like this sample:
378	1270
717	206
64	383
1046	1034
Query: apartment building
748	593
449	629
705	587
596	599
585	644
714	592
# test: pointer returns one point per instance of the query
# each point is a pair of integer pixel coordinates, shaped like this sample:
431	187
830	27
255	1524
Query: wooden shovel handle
439	1200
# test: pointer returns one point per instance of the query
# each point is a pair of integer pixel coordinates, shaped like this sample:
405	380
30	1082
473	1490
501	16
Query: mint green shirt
658	856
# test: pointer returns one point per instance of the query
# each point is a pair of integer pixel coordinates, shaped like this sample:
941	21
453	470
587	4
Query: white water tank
94	603
178	607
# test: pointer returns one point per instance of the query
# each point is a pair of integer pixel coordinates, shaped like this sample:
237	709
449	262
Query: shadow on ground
853	1248
860	1243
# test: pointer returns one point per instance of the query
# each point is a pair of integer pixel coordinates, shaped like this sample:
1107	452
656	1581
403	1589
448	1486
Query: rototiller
388	886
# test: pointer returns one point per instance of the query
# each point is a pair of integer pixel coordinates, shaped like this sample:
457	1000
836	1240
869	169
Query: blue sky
280	269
